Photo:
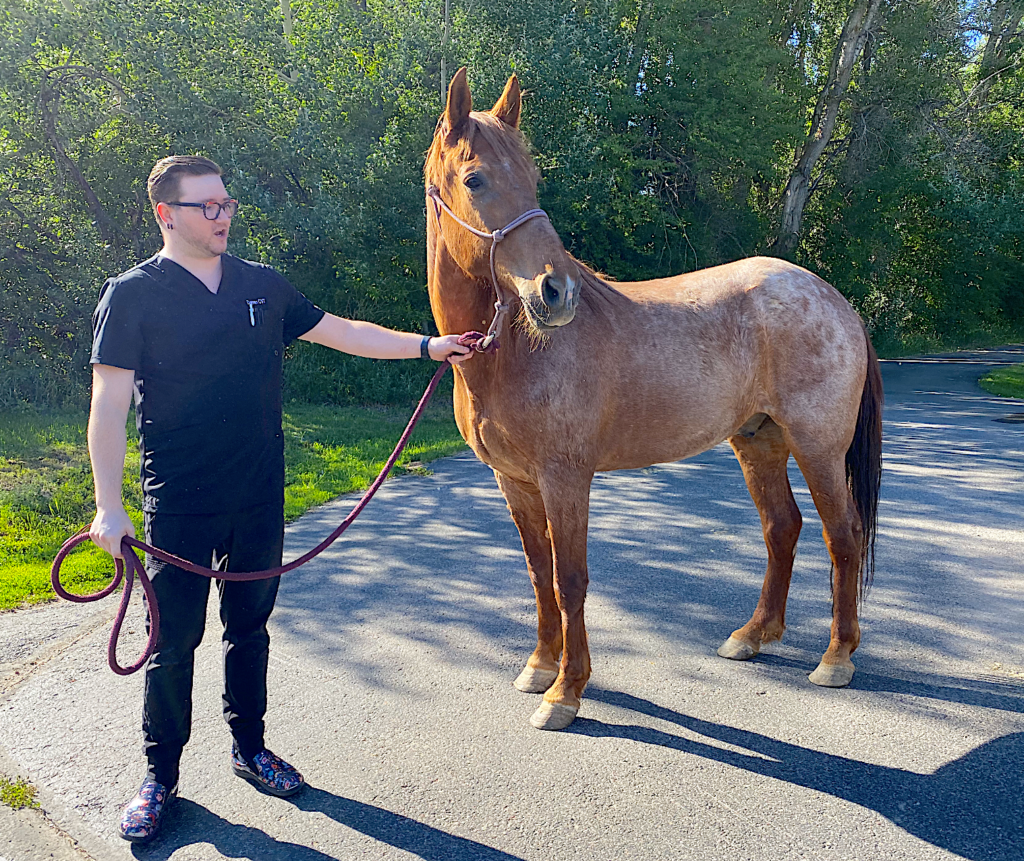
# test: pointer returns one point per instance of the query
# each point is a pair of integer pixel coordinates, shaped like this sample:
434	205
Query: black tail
864	465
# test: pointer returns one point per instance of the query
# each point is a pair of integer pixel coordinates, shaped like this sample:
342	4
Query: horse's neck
459	302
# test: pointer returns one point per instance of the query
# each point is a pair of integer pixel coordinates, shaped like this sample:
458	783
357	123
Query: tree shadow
190	823
972	806
996	694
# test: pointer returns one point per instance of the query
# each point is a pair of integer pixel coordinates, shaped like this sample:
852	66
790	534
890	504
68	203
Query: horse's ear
507	108
460	103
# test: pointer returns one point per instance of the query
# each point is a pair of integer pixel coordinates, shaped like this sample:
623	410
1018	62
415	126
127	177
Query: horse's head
480	166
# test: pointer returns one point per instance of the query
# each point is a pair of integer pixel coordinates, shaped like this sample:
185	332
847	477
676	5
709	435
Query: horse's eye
473	182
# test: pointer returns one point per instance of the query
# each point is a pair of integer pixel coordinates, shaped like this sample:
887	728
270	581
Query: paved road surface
393	656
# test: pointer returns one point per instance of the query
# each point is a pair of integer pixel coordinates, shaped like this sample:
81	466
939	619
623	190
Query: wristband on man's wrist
425	347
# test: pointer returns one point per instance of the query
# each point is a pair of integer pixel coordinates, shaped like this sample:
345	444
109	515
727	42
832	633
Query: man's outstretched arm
111	397
375	342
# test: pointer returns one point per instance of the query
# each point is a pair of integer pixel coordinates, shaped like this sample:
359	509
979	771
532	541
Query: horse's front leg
567	503
527	508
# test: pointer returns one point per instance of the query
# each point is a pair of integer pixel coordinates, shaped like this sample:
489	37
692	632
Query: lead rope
500	307
136	568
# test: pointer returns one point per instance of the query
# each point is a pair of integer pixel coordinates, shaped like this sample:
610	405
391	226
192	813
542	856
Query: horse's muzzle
551	301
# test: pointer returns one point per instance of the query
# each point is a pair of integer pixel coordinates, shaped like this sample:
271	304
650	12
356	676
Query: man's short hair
164	178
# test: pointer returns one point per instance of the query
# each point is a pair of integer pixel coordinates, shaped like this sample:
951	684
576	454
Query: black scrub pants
251	540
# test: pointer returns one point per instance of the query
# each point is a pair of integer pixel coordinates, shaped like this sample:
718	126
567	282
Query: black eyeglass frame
214	205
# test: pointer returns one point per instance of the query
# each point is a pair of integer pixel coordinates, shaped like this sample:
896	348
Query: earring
170	226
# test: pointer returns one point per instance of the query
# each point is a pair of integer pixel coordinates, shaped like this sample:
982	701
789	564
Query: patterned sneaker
268	772
140	819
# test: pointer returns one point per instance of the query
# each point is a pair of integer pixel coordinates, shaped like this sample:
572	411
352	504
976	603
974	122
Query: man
198	337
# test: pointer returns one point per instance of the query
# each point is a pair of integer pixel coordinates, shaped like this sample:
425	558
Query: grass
17	793
1006	382
46	490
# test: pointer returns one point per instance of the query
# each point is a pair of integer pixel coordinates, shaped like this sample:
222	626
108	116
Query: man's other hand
108	528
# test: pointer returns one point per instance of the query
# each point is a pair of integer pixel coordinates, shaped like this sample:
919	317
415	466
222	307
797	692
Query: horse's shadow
190	823
972	806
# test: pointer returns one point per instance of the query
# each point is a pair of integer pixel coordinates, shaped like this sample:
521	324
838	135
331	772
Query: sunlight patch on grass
46	489
1005	382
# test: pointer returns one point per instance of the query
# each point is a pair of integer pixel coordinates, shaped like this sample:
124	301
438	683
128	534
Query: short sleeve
300	314
116	327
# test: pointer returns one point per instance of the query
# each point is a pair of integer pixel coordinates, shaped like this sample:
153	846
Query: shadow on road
973	806
231	840
993	693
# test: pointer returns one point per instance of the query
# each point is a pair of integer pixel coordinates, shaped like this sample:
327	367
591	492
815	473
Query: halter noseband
500	308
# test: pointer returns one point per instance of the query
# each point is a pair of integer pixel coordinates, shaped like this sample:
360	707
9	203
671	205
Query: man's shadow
973	806
189	823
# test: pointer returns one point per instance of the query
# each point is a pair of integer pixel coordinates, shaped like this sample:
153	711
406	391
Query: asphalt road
394	652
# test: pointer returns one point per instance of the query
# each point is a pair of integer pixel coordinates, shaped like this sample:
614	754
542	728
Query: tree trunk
445	32
999	47
286	14
49	102
826	112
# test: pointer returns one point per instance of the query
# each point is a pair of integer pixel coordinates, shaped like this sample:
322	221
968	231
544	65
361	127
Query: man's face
202	237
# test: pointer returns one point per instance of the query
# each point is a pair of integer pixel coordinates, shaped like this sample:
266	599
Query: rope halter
500	308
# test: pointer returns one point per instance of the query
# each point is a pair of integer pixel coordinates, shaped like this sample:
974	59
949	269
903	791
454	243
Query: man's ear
460	103
508	107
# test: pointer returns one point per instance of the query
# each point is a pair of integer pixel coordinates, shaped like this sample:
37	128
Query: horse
759	352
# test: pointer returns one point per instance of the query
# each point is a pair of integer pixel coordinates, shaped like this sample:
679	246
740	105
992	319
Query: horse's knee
571	592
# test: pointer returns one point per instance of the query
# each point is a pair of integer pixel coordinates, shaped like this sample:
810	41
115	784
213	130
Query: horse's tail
864	464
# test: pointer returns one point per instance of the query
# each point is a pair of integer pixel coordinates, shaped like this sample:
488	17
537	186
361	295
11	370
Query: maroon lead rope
135	566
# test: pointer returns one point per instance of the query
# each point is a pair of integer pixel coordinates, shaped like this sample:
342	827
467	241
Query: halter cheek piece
500	308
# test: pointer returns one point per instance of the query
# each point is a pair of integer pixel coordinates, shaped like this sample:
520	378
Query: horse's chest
495	446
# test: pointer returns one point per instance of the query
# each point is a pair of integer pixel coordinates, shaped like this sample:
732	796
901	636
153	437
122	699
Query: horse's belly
669	422
646	450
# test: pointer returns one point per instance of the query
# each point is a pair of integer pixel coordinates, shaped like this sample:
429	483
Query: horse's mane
598	290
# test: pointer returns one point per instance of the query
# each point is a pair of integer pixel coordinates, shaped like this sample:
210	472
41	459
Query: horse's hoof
737	650
553	716
832	675
534	680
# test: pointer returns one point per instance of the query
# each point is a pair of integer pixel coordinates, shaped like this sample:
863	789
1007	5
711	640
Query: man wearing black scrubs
198	338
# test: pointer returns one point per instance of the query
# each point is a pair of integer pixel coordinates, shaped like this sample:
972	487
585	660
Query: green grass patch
17	793
46	489
329	451
1006	382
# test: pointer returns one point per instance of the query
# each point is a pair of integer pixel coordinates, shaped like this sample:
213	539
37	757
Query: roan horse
758	352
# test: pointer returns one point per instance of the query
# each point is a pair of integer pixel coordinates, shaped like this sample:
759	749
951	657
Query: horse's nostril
550	292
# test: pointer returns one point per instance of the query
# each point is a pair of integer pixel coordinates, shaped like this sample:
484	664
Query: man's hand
108	528
448	347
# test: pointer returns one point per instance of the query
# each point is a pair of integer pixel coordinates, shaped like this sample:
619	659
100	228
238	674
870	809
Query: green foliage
17	793
665	131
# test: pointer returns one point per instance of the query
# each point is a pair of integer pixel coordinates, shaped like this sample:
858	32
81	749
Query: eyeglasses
211	209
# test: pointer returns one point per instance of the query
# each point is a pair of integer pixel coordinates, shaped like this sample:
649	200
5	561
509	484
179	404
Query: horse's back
759	335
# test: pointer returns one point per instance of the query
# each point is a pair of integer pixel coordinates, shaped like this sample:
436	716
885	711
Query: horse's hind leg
825	473
763	458
527	507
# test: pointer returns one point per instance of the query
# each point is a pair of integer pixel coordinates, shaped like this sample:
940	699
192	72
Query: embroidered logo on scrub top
256	309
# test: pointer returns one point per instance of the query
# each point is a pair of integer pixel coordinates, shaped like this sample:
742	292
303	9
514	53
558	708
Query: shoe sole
156	828
262	787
